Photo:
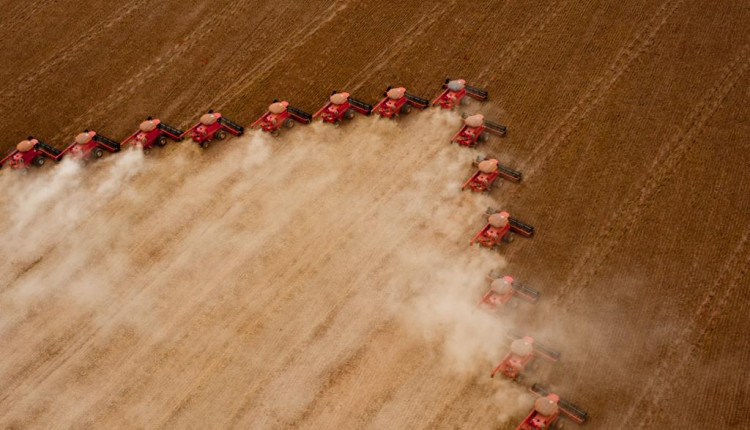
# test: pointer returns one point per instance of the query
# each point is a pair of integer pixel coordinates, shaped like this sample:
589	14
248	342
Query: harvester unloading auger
31	151
281	114
342	106
455	91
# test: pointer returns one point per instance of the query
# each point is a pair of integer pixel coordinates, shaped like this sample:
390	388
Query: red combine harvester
477	129
397	102
88	145
454	91
213	126
342	106
548	409
31	152
280	114
503	289
153	132
500	228
488	170
523	351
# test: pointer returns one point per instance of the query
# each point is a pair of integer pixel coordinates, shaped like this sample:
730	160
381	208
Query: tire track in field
138	80
666	161
694	335
344	369
445	407
514	49
274	306
15	18
288	43
396	47
19	87
601	87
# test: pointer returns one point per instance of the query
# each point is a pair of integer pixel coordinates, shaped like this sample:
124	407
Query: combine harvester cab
397	102
500	228
455	91
281	114
548	410
477	129
342	106
31	152
213	126
90	145
503	289
152	132
523	351
488	170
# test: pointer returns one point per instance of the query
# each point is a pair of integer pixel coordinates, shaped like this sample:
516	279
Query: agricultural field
324	278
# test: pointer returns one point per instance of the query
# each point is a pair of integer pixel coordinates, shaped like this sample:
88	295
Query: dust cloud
366	221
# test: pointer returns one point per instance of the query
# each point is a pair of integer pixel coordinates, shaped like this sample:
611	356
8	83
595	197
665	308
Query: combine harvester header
152	132
455	91
342	106
500	228
503	289
397	102
477	129
548	409
89	144
523	351
281	114
213	126
30	152
488	170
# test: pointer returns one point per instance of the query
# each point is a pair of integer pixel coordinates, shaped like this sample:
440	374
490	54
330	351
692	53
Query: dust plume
260	251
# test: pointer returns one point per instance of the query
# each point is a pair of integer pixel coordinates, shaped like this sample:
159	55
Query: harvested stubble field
323	279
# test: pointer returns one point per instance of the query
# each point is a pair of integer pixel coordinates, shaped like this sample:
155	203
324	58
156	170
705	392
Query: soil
323	279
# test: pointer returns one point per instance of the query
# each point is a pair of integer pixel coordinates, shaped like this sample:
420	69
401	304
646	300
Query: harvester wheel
336	124
146	151
205	144
508	237
349	114
220	135
161	141
38	161
97	152
288	123
275	133
484	137
405	109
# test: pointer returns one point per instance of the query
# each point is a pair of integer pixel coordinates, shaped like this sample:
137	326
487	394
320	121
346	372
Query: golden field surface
324	278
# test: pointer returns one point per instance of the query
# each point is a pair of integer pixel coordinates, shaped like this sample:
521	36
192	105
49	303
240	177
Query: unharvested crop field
323	279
